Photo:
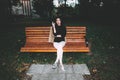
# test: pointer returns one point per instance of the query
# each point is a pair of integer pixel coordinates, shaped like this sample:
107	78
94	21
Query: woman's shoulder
63	25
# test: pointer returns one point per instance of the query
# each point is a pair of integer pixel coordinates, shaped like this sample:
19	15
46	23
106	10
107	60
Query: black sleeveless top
60	30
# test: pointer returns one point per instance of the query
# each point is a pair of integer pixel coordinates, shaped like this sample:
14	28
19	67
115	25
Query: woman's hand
53	24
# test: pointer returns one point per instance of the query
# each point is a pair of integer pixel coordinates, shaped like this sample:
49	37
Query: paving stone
57	76
35	69
68	69
81	68
74	77
48	69
40	77
45	72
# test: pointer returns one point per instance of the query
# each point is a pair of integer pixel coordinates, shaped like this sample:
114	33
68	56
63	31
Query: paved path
45	72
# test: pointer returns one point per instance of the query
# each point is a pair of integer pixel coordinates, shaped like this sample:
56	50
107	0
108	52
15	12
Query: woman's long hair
60	20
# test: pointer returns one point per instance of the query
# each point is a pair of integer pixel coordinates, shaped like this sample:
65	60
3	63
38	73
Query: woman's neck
59	24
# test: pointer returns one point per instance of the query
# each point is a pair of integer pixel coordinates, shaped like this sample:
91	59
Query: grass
103	64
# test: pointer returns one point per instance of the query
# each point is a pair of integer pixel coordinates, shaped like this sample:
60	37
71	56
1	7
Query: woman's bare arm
53	25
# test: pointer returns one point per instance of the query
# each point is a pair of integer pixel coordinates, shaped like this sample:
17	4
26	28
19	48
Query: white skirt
59	45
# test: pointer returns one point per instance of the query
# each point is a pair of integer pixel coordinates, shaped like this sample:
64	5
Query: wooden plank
46	40
75	35
36	32
41	32
45	47
47	35
68	37
39	27
38	35
76	27
69	29
48	27
46	44
37	40
53	50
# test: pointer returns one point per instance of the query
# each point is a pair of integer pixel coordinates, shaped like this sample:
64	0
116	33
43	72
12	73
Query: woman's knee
63	43
59	46
60	49
55	45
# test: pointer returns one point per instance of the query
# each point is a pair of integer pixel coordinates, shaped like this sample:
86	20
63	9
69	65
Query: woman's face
58	21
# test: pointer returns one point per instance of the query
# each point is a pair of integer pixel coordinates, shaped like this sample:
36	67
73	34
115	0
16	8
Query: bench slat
40	32
43	47
48	27
67	35
46	40
50	50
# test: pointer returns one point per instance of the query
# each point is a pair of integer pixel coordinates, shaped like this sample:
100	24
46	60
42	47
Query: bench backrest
39	39
44	34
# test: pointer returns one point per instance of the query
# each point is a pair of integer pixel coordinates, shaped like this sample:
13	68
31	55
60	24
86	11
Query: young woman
59	31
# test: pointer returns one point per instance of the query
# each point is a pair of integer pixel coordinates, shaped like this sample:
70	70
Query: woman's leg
56	45
61	54
60	58
59	46
57	58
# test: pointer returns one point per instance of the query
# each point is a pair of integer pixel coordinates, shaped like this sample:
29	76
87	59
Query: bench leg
89	44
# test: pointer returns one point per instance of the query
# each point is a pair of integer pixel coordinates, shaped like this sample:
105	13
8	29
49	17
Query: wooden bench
40	39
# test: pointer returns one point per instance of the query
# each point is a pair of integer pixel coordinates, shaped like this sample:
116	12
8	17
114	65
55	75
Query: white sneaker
54	66
62	68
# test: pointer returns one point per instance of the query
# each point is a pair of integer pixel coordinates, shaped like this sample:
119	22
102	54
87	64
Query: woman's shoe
62	68
54	66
